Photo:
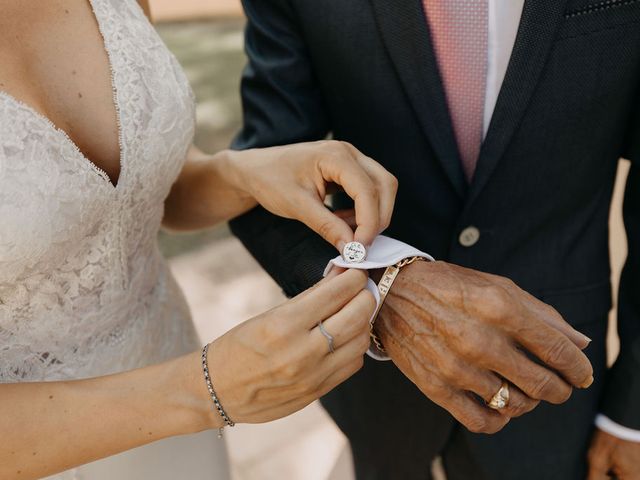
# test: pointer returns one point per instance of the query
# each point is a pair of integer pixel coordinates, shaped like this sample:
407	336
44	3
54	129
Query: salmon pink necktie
460	36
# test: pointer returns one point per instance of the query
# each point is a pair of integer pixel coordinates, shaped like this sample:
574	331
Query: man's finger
555	350
534	380
551	316
539	310
475	417
484	383
461	404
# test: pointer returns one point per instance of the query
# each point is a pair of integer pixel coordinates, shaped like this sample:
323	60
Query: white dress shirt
504	21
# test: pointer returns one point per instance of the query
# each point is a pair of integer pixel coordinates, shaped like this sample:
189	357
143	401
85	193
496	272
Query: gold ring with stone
501	399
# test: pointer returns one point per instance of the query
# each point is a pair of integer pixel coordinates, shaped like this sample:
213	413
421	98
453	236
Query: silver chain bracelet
212	392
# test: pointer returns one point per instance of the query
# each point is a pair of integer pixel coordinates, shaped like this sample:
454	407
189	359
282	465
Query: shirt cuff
374	352
607	425
383	252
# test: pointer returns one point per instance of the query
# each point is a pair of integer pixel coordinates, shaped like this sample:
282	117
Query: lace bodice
84	290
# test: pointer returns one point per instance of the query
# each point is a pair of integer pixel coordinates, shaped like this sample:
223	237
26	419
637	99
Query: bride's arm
49	427
205	193
291	181
266	368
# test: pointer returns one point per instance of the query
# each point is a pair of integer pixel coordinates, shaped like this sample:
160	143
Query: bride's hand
293	181
279	362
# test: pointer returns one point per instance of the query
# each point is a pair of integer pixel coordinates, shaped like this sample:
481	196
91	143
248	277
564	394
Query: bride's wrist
188	392
231	165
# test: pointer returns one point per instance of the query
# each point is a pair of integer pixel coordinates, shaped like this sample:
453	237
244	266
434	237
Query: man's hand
610	456
455	332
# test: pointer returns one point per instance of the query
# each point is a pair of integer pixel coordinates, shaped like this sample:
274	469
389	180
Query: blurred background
222	283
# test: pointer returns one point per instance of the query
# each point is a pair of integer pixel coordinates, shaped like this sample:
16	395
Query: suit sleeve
622	395
281	104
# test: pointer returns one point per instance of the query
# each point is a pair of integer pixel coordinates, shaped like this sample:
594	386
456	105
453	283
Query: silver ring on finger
328	336
500	400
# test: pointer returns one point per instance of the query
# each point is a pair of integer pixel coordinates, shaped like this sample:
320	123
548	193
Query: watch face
354	252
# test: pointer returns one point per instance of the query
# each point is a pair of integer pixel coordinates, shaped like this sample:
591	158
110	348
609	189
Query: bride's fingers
346	171
352	320
315	215
387	187
346	361
331	370
335	271
324	386
323	382
327	298
348	215
385	182
339	376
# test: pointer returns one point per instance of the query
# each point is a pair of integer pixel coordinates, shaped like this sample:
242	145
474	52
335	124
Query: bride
98	354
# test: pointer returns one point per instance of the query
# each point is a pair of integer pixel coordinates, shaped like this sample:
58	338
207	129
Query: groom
503	122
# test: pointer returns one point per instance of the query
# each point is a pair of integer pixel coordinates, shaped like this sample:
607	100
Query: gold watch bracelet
384	285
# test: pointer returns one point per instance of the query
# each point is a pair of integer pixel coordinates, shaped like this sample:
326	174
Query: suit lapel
538	26
405	33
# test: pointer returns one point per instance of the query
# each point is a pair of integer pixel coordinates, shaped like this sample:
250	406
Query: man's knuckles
485	423
519	405
546	386
476	423
559	353
492	302
473	349
566	358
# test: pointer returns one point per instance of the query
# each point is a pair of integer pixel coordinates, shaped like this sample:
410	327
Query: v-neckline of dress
101	173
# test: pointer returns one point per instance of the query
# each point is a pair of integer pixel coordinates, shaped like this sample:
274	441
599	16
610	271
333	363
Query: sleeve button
469	236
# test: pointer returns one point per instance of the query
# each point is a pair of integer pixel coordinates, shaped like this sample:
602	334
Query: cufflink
354	252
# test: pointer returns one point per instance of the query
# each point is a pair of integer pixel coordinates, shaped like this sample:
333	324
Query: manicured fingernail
588	383
587	339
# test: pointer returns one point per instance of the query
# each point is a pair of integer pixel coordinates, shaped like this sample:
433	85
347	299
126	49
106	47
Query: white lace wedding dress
84	290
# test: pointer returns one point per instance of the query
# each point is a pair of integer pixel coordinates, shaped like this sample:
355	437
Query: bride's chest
54	201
